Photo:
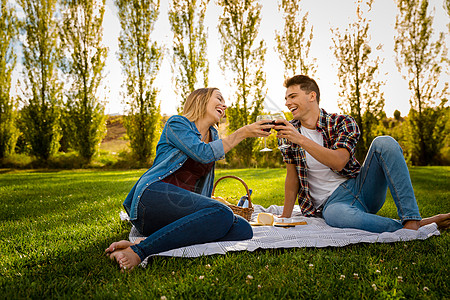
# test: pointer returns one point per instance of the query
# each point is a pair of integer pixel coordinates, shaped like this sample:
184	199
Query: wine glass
265	117
279	115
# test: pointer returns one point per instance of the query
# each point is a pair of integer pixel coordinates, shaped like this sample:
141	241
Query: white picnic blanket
315	234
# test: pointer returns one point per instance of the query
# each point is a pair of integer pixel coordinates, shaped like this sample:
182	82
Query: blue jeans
172	217
355	202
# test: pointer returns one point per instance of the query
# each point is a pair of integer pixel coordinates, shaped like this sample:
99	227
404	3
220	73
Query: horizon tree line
64	59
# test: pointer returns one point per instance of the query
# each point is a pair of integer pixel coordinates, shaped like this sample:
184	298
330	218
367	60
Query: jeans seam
356	196
386	170
366	171
361	203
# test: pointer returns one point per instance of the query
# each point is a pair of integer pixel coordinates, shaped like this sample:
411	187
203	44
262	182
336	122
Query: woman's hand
251	130
260	128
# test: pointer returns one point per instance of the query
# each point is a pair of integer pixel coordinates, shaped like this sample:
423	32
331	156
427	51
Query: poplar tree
243	57
42	87
294	43
189	64
360	94
140	59
420	58
8	36
447	9
84	62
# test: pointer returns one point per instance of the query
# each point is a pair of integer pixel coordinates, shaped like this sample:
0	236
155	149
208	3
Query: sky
323	15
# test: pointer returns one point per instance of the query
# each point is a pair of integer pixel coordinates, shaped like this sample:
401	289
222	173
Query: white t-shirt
321	179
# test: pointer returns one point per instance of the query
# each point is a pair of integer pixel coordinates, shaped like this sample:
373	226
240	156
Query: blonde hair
195	105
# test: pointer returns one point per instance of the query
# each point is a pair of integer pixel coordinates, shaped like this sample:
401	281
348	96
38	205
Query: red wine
268	129
278	124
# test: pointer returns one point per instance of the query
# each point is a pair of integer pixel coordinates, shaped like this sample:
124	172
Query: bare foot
117	246
442	221
412	224
121	245
126	258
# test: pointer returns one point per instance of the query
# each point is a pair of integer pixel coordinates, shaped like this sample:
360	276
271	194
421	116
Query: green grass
54	227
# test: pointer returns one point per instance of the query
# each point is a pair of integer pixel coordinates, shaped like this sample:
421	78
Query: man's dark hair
306	84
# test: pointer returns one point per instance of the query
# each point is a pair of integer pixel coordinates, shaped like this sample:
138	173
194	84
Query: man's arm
335	159
291	186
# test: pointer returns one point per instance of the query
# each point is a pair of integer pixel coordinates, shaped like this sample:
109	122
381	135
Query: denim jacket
179	140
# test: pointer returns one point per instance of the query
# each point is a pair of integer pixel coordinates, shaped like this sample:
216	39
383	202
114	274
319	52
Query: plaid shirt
338	131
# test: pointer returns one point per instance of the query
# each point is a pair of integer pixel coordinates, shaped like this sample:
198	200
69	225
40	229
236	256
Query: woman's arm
251	130
181	135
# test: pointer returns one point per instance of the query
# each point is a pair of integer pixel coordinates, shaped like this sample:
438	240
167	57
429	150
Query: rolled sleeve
217	147
347	135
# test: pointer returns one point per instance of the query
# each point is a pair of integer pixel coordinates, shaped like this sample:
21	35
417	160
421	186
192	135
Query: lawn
55	226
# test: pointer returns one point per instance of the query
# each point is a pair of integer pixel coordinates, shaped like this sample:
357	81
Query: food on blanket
292	224
280	224
265	219
257	224
221	200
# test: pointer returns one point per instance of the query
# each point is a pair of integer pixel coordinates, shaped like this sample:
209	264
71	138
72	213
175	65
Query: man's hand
287	131
258	129
335	159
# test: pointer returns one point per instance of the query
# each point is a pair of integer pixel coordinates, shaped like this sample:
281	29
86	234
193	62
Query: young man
329	182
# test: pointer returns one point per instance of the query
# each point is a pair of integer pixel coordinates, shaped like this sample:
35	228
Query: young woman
171	203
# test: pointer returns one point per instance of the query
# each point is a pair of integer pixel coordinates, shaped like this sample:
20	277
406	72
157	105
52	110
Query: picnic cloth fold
315	234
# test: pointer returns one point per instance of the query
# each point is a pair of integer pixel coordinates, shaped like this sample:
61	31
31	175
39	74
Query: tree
238	27
447	9
397	115
420	59
42	94
444	155
8	35
294	43
85	56
140	59
360	92
189	62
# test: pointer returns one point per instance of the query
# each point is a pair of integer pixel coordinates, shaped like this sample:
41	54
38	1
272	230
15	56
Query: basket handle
237	178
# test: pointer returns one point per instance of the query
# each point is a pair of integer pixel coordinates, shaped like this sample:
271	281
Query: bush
15	160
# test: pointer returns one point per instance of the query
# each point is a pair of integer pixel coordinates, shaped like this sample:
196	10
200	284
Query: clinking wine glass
280	116
265	117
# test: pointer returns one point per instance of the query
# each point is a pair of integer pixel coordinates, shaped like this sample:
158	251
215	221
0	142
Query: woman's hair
306	84
196	102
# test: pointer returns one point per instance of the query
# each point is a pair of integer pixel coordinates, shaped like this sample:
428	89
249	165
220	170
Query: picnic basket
245	212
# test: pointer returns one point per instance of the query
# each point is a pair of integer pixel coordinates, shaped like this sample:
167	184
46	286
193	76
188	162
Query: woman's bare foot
126	258
118	246
442	221
121	245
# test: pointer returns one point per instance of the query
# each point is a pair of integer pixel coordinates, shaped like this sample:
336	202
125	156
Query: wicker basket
245	212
